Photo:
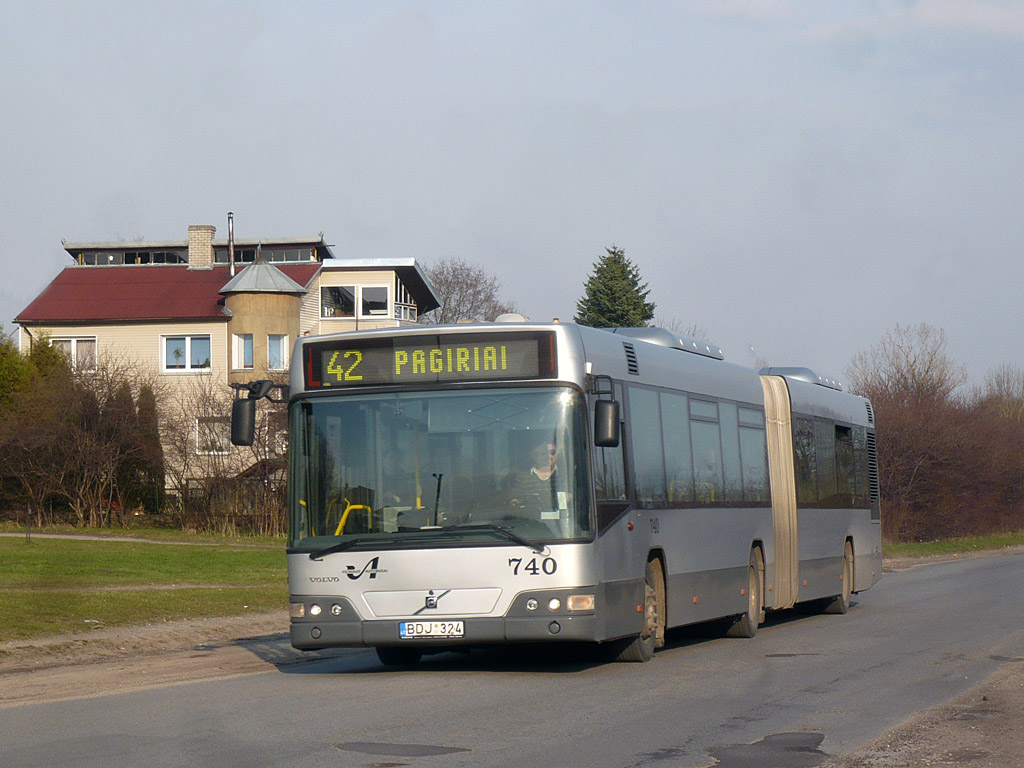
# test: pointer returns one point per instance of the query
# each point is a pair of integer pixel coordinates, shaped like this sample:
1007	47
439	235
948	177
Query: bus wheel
746	624
641	648
841	602
398	657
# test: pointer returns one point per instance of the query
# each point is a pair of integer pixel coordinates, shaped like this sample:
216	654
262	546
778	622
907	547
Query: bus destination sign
429	359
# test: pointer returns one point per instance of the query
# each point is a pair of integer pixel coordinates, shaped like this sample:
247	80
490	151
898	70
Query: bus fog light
297	610
315	610
580	603
531	604
335	610
554	604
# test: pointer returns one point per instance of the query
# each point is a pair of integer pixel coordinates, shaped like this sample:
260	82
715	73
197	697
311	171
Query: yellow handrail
349	506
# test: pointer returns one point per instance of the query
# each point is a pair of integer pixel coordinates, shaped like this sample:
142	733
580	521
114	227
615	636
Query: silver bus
455	486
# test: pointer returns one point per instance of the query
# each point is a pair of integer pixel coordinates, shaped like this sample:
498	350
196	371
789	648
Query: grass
67	586
954	546
61	586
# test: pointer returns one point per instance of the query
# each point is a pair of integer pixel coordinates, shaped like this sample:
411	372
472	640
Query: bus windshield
442	468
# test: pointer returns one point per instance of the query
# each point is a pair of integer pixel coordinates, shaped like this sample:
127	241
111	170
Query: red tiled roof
109	294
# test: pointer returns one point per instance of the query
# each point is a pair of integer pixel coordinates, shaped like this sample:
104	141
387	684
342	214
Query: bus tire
840	604
390	656
641	647
745	625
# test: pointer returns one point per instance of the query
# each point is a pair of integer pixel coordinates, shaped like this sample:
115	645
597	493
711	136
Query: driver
535	488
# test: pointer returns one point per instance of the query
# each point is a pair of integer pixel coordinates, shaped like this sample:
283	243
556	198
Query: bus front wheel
652	635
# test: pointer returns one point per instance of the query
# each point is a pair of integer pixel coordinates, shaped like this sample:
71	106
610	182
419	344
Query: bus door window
707	451
675	429
846	480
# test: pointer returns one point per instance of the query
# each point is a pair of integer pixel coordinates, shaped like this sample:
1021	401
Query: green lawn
64	586
57	586
953	546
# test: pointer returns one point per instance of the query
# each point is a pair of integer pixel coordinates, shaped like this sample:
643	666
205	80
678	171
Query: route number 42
547	566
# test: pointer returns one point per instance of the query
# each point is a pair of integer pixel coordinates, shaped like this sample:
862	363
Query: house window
277	352
374	301
243	351
405	304
213	435
338	301
80	352
186	353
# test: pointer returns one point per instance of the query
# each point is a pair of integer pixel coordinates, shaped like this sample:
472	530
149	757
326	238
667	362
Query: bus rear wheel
840	604
641	648
391	656
745	625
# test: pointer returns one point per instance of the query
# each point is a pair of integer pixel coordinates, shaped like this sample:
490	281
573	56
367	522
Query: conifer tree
613	294
152	451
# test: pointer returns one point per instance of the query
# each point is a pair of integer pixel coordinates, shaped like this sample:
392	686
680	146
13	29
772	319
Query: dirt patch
130	658
980	729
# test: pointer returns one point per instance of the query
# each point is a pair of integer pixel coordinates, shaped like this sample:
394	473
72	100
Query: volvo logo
430	601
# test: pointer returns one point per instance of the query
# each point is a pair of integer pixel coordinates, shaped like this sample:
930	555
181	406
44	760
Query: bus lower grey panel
822	576
619	609
705	595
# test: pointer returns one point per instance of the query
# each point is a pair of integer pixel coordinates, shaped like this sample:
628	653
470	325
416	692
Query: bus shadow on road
541	658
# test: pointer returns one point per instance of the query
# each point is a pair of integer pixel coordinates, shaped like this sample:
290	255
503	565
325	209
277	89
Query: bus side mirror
606	423
243	422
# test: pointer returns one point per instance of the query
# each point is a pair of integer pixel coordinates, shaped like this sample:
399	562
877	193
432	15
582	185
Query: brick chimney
200	246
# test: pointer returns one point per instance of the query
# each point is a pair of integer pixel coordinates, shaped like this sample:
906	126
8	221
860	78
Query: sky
795	177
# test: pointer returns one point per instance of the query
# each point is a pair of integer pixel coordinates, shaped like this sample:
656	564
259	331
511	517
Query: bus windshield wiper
506	532
341	546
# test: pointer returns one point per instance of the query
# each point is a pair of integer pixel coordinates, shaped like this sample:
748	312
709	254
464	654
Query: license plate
430	629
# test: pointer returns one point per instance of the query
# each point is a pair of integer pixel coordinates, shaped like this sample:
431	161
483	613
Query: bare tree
909	362
218	486
1004	388
466	292
693	329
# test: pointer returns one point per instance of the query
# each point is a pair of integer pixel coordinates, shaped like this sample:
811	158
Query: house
215	312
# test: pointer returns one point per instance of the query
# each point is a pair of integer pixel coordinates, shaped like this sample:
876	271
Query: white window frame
284	351
355	301
74	340
238	345
222	421
385	314
187	369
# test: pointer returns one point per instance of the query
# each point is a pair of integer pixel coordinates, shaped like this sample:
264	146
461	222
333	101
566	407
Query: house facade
197	320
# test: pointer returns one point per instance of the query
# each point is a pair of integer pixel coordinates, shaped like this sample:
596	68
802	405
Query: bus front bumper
337	624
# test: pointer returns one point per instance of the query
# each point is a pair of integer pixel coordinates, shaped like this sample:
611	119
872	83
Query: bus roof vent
871	412
666	338
802	374
631	362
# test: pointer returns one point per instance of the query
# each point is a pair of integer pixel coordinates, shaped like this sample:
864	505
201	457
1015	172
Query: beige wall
315	323
143	342
260	314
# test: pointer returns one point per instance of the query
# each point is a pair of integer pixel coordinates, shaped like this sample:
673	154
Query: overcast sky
795	177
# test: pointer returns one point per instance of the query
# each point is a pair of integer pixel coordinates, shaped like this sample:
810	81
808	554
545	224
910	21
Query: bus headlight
315	609
554	604
580	603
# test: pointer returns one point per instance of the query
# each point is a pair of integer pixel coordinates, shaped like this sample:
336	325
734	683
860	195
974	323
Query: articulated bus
456	486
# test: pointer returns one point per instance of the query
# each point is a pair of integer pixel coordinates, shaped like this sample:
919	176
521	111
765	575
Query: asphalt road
803	688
